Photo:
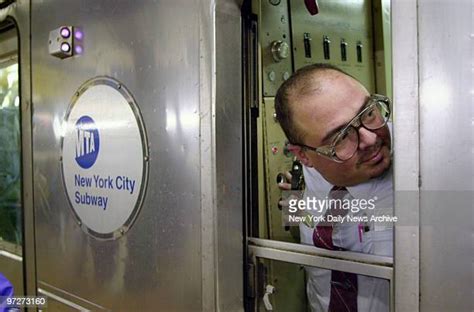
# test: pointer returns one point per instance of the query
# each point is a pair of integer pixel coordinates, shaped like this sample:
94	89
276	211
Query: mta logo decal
87	142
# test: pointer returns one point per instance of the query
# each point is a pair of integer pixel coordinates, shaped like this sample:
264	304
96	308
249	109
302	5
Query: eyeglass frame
329	150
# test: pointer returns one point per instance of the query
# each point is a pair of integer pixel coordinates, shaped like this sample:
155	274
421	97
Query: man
339	132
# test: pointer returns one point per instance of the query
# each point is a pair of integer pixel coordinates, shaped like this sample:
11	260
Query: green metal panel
290	286
287	279
277	160
383	47
340	21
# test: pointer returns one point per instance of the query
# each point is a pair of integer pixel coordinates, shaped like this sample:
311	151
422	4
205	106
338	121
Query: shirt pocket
378	242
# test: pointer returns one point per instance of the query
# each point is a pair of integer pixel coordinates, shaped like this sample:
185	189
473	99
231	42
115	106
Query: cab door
281	37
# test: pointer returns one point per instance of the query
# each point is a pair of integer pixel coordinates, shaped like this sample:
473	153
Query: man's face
321	113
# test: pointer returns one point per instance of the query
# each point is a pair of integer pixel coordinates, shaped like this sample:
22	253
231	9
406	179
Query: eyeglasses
374	115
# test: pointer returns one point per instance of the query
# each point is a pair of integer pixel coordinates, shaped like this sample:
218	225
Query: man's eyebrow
332	132
336	130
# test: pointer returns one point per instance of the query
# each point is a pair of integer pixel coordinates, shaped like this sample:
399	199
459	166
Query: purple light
78	34
65	47
65	32
78	49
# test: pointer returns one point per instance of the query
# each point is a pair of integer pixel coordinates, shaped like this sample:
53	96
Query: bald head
306	82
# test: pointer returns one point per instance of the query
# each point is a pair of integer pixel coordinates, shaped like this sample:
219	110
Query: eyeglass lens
374	118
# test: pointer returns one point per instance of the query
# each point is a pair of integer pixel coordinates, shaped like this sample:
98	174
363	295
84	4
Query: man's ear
300	154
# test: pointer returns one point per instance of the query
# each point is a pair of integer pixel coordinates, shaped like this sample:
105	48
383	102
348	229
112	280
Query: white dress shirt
375	238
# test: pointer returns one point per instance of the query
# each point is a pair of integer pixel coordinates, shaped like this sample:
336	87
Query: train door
283	36
11	201
120	95
156	71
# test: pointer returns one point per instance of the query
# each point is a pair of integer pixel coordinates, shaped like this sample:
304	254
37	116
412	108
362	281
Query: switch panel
342	35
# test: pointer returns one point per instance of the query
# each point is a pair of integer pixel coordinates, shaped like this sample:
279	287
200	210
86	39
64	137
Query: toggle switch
326	47
359	51
281	178
312	6
307	45
343	50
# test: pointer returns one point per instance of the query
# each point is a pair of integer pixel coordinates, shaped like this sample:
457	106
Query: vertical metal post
207	155
406	157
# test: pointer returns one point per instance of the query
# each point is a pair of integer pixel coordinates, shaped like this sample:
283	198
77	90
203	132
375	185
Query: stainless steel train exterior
192	71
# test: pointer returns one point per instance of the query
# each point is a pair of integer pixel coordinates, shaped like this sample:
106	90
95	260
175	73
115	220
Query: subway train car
142	158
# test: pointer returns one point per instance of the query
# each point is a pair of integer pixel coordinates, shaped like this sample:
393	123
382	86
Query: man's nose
367	138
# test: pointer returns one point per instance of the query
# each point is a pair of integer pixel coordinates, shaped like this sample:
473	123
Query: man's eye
341	137
370	113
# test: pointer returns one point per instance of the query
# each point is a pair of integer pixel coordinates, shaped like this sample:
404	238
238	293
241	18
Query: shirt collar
318	186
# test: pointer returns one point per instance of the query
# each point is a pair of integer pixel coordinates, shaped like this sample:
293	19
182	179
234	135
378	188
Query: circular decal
104	158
